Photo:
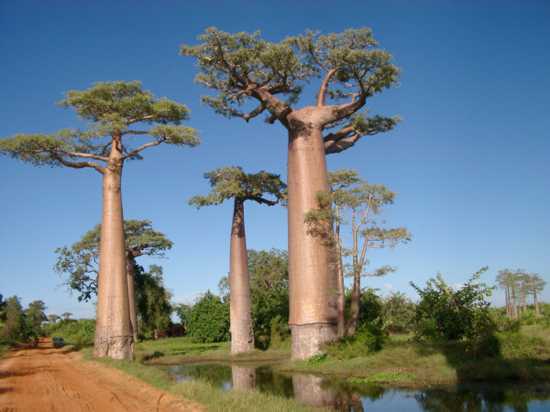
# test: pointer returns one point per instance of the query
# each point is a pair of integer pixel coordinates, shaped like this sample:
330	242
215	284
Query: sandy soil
47	379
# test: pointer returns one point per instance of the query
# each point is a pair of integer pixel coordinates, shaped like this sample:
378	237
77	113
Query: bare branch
324	85
78	165
85	155
136	132
141	119
337	146
141	148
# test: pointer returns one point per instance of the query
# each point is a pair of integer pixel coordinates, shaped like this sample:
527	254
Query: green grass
202	392
171	351
403	362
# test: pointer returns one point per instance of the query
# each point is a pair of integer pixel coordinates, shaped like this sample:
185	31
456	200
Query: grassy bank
202	392
172	351
524	356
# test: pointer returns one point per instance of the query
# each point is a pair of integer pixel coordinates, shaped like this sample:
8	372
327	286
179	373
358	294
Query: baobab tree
358	204
80	260
252	76
263	188
118	113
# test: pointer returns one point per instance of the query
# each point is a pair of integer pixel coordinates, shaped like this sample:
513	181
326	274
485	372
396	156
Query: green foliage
207	320
398	313
80	261
234	183
15	325
446	314
79	333
268	271
237	65
370	308
370	338
152	300
112	109
35	315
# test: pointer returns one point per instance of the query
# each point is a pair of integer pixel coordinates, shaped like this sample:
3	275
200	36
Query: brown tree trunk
312	278
536	302
240	316
341	298
355	303
513	302
243	378
113	335
507	300
130	278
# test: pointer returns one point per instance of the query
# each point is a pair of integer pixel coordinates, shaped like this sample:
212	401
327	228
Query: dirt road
47	379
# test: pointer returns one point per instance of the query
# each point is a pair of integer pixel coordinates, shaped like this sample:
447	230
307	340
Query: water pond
341	395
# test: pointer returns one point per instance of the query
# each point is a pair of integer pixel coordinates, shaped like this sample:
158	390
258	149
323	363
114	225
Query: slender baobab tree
252	76
536	285
358	204
119	113
80	260
263	188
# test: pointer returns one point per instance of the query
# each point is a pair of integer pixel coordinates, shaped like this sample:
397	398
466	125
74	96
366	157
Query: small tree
263	188
35	315
80	260
66	316
251	76
118	112
152	300
398	312
15	329
357	203
53	318
207	320
461	314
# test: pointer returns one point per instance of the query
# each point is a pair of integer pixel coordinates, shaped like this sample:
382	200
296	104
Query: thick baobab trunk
240	316
312	278
130	278
113	335
243	378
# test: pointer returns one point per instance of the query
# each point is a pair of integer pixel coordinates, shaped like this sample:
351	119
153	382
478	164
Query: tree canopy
234	183
251	75
113	110
80	260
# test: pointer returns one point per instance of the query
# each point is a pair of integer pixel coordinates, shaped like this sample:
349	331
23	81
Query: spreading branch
324	86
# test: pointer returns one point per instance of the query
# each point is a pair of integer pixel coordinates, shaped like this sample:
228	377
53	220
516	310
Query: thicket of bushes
79	333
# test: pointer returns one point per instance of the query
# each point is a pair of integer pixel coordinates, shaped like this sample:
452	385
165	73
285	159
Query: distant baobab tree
251	76
263	188
119	113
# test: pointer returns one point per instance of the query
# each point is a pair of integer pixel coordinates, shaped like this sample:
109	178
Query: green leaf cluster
234	183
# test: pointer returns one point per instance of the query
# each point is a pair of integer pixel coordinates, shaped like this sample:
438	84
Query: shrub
398	312
446	314
207	321
79	333
367	340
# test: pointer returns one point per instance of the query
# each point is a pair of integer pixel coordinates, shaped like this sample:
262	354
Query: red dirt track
48	379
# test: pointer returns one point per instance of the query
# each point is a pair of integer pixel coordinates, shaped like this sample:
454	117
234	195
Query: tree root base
307	340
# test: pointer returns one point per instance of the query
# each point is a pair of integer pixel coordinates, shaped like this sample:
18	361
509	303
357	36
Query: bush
367	340
207	321
445	314
398	312
79	333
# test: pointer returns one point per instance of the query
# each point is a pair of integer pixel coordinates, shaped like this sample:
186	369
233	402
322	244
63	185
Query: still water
339	395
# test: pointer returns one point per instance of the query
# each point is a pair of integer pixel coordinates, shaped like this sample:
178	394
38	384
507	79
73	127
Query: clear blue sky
470	161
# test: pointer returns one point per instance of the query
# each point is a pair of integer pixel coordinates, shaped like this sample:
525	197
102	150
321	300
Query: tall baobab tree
251	76
358	204
119	113
263	188
80	260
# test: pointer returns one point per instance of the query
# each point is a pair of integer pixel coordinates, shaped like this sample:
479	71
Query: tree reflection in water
340	395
